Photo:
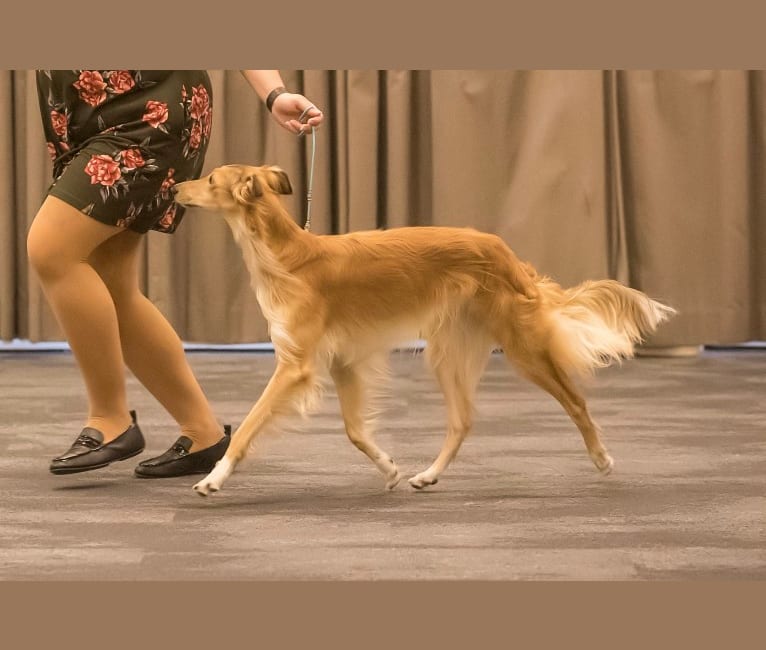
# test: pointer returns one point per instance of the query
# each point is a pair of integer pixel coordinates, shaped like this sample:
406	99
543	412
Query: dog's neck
269	223
271	243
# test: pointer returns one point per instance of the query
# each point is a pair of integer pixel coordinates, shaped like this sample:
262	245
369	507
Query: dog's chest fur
266	273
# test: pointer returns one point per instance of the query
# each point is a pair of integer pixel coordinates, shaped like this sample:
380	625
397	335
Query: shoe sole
77	470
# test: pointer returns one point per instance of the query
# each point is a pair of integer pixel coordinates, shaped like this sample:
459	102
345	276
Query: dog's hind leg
543	371
458	359
352	393
290	380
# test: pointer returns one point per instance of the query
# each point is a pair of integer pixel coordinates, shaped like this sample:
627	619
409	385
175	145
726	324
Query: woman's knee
61	237
46	252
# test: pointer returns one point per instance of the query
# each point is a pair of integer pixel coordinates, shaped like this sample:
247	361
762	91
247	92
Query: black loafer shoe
88	451
177	461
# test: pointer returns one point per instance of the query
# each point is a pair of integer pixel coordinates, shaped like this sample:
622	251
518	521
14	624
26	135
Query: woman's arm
286	107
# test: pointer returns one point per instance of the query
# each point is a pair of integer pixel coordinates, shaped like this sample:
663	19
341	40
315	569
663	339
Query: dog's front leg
287	382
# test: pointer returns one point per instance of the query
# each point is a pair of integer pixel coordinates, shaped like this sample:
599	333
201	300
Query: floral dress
120	140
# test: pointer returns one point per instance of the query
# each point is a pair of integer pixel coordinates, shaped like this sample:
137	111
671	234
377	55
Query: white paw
215	480
605	463
422	480
206	486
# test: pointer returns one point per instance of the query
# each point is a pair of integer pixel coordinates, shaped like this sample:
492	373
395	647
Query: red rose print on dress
168	182
121	81
52	150
201	110
91	87
200	103
169	217
103	170
195	138
59	123
132	159
198	118
156	113
207	123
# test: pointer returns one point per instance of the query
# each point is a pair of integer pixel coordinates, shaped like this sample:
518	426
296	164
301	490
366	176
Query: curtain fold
617	245
8	228
655	178
756	258
692	214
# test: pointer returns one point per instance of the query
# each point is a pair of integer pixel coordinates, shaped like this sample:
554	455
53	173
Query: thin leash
307	225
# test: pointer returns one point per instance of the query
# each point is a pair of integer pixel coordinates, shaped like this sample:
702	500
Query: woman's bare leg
150	346
59	243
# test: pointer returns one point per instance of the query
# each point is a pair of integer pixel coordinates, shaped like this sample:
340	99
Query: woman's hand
295	113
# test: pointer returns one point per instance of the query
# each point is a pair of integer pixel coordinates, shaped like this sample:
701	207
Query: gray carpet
687	499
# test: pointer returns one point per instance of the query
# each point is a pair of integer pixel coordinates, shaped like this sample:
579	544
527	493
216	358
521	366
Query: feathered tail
598	322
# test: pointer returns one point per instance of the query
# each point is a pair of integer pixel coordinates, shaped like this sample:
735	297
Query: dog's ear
248	190
278	180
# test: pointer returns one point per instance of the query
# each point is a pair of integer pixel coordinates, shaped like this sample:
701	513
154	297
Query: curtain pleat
617	246
8	252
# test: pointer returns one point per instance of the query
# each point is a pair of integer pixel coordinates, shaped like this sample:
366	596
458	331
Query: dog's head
232	187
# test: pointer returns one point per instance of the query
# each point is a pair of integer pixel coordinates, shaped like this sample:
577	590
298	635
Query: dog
343	301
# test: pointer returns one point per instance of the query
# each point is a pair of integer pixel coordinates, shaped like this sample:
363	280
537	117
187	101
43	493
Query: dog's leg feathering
544	372
457	354
289	381
350	384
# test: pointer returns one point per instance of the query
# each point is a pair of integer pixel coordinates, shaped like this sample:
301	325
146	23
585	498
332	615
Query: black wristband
273	95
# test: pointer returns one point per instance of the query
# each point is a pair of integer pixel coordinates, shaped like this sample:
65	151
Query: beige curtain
651	177
693	184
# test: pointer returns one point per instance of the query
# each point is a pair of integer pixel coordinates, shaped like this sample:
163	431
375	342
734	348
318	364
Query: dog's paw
206	486
387	466
422	480
604	463
393	480
215	480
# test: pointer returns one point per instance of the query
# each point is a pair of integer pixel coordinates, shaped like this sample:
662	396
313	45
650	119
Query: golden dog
345	300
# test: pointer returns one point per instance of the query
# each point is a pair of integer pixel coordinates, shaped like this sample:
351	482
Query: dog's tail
598	322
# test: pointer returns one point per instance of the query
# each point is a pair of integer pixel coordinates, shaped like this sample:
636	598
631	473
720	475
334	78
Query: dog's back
400	284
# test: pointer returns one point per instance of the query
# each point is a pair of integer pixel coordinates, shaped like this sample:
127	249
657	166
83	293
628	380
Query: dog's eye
210	180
